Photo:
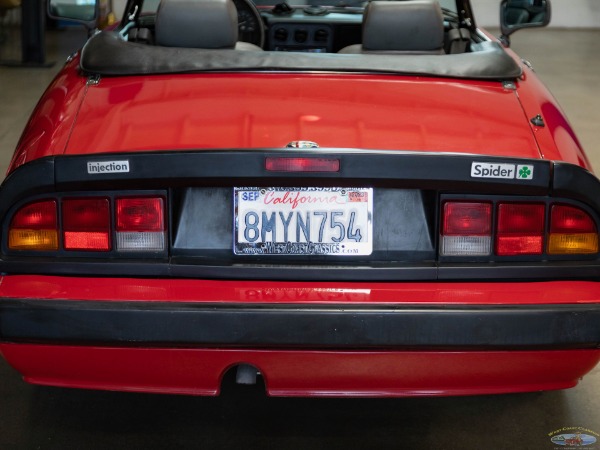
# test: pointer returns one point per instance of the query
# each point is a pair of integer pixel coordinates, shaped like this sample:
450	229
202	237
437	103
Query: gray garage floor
51	418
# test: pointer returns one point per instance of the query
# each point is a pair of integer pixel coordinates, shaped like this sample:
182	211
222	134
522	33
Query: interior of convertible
381	27
429	37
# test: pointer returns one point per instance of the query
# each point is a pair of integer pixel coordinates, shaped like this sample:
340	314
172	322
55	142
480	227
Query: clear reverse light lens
141	241
466	245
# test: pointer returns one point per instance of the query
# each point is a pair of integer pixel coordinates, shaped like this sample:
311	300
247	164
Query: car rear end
331	272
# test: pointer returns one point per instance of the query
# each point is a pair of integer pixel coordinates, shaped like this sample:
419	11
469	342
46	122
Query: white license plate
303	221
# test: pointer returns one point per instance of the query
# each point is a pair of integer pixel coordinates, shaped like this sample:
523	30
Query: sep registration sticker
303	221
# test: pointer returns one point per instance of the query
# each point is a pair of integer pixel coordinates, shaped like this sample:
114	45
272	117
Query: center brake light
279	164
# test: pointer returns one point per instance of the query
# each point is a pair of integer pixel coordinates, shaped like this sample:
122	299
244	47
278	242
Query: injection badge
98	167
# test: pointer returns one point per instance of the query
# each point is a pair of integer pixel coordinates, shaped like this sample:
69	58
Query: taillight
86	224
140	224
466	229
572	230
90	224
34	227
520	229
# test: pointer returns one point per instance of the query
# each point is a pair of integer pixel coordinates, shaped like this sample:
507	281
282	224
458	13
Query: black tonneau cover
107	53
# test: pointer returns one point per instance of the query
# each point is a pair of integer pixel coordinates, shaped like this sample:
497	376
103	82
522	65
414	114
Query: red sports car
347	198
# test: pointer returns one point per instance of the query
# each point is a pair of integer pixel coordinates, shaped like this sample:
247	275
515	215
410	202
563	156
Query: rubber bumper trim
162	324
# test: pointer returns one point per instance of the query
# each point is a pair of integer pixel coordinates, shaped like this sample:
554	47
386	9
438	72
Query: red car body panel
268	111
557	140
195	112
50	125
302	373
160	113
303	293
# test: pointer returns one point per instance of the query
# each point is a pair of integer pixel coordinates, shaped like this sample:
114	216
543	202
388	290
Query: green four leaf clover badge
525	172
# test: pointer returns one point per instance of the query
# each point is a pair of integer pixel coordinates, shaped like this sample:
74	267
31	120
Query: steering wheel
250	24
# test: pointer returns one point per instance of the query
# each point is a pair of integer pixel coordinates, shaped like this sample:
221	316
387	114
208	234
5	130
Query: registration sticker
303	221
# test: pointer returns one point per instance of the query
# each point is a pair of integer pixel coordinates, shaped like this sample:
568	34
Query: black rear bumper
341	327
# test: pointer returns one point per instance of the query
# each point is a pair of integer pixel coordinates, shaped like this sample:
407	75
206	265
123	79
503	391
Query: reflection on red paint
211	291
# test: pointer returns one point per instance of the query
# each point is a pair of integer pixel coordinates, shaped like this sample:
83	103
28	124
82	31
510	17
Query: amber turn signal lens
40	240
560	244
572	231
34	227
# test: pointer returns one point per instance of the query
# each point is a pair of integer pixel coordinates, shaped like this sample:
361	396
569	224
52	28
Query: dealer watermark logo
502	171
574	437
99	167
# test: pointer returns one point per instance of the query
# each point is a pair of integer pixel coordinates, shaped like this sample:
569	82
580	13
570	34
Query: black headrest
208	24
416	25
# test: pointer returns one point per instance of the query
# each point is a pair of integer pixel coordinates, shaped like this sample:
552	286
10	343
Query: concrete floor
52	418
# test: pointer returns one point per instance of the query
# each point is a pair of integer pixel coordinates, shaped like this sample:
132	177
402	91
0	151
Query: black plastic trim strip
300	326
403	169
36	177
163	169
574	182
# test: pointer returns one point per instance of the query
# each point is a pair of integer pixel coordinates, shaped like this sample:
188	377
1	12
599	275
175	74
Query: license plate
303	221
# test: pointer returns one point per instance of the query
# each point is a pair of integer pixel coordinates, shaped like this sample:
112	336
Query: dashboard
312	29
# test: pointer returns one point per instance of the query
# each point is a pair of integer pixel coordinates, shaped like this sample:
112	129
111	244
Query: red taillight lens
37	216
34	227
520	229
302	165
466	229
472	219
568	219
140	214
140	224
86	224
572	231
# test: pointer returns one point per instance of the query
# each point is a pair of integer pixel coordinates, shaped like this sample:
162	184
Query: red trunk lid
211	111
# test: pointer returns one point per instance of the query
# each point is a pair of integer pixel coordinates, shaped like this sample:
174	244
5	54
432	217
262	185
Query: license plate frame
327	221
